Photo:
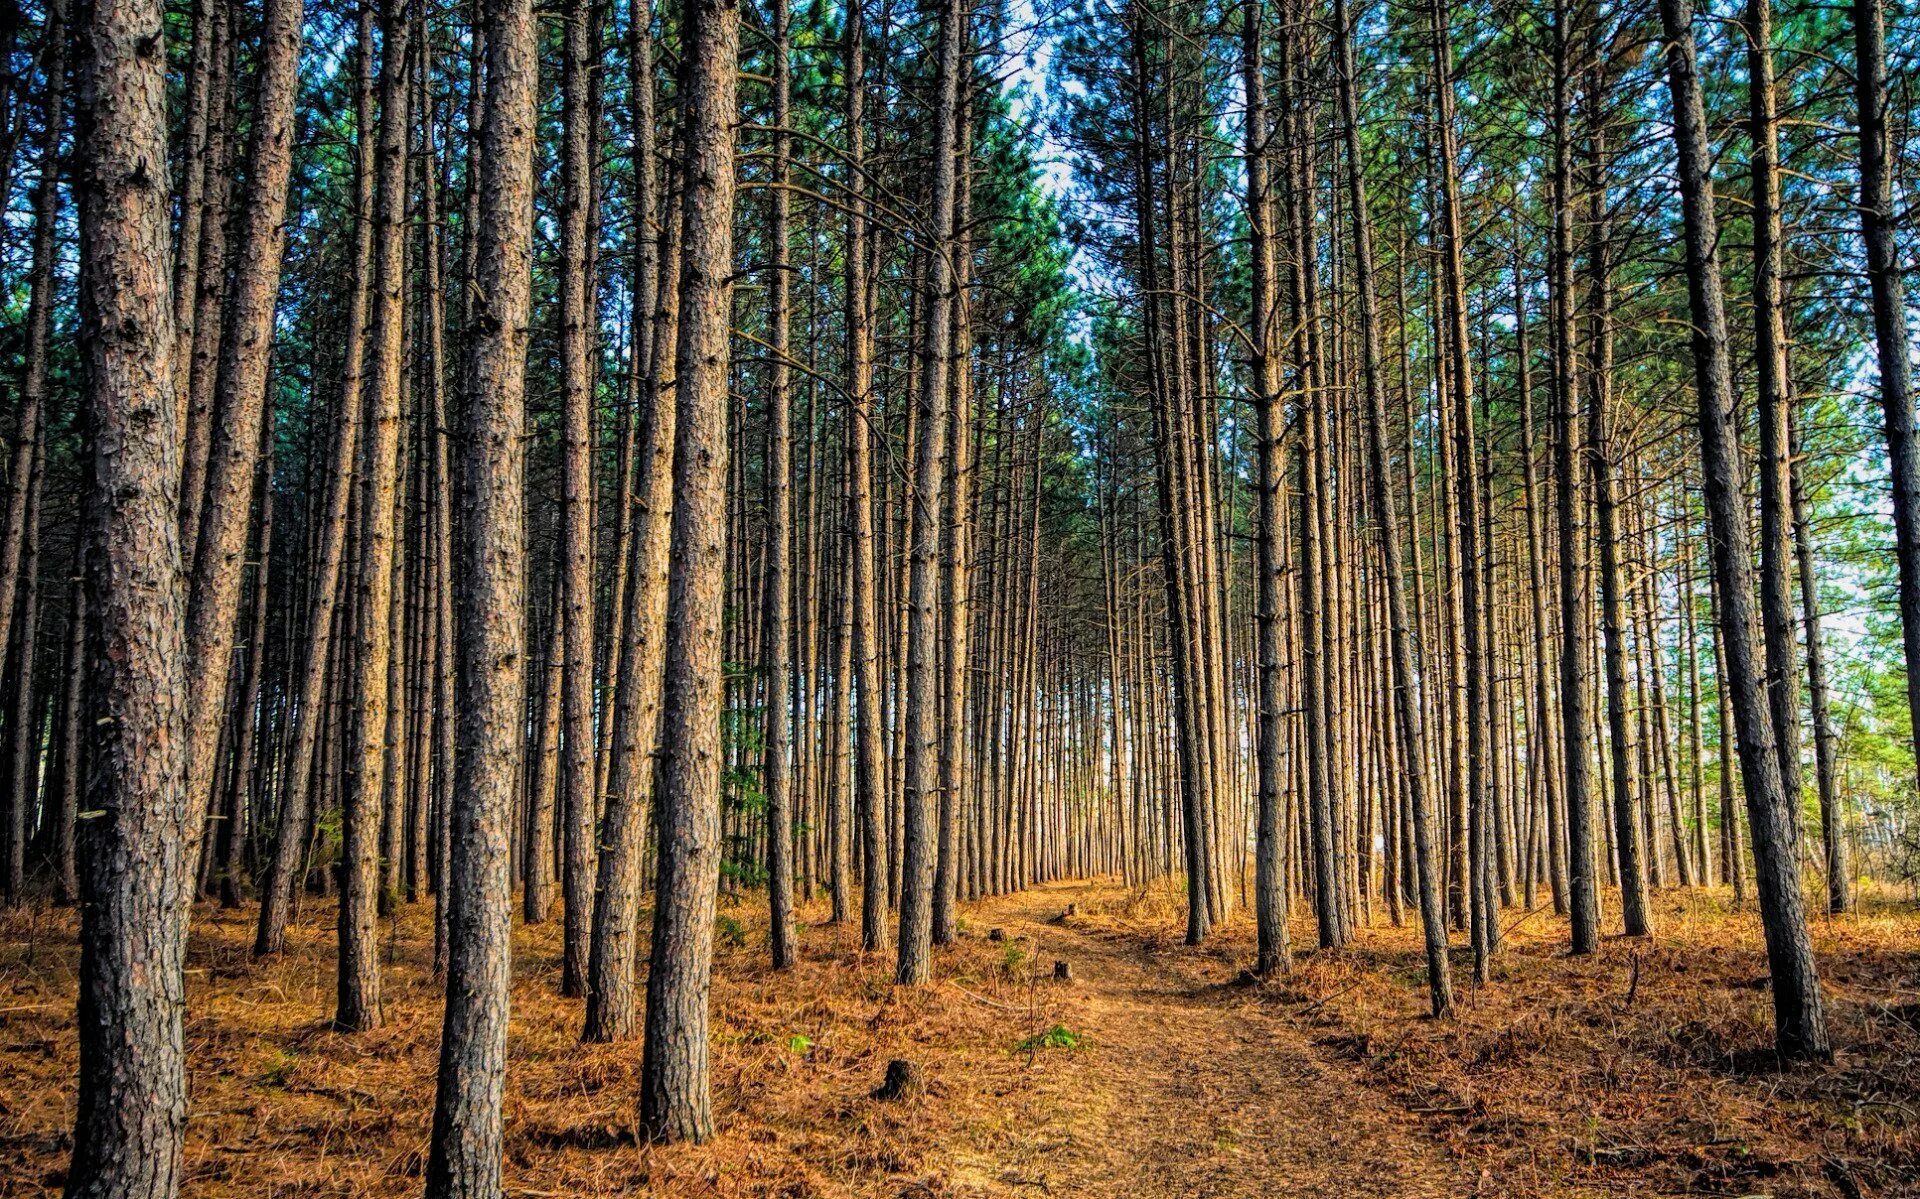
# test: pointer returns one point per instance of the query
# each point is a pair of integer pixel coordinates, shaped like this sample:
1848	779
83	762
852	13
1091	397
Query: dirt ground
1158	1070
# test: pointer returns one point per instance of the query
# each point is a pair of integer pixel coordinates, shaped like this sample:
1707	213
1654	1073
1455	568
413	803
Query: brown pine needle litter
1644	1070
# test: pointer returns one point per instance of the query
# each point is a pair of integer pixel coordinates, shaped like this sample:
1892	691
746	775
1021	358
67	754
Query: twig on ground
1324	1000
1005	1007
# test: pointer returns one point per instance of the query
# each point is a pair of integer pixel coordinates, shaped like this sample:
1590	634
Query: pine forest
944	598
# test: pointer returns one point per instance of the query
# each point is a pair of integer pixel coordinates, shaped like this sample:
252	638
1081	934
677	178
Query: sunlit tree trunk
1799	1024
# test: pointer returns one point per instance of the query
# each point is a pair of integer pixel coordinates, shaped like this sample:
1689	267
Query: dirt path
1188	1087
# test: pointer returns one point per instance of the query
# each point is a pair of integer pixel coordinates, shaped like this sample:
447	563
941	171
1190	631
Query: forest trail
1188	1084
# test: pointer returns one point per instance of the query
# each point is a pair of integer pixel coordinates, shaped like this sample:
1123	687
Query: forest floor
1159	1070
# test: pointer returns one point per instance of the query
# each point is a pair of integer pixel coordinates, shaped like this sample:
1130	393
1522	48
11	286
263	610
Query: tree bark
290	837
1402	637
464	1156
1601	473
776	641
1583	883
675	1102
136	864
919	850
1771	396
576	611
245	349
358	1006
869	769
1274	950
613	1010
1887	289
1799	1025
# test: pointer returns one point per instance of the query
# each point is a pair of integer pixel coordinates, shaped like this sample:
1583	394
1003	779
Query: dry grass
1645	1069
284	1106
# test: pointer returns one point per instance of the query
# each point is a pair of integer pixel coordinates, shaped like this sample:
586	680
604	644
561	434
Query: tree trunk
290	837
869	766
1274	951
245	353
613	1010
464	1156
674	1092
359	1007
1771	395
776	640
1889	305
1602	472
956	566
578	323
1583	883
1403	647
1799	1025
919	851
136	861
1483	914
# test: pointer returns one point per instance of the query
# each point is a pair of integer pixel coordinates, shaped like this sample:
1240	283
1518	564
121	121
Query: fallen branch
981	998
1318	1003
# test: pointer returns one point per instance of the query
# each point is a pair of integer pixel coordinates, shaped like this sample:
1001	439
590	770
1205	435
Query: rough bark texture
1771	397
613	1008
1799	1024
1889	304
776	638
675	1101
1274	949
1583	882
869	767
290	839
136	870
246	345
956	614
1402	638
358	991
577	783
465	1153
1482	912
919	850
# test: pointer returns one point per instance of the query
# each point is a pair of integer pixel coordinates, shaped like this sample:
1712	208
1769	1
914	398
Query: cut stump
903	1079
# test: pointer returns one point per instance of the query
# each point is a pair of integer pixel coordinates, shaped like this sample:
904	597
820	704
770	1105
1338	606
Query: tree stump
997	934
903	1079
1073	909
1062	971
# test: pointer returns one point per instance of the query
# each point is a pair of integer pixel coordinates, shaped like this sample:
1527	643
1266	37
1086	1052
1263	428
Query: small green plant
1057	1037
799	1043
1012	958
279	1067
730	931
